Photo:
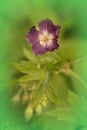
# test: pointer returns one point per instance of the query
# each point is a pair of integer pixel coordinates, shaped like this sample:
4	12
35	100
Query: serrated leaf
33	75
30	55
25	68
65	113
57	109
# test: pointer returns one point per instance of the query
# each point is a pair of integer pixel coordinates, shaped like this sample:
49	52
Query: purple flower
44	38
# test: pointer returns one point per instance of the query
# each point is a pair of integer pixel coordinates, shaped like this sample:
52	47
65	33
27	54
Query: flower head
44	38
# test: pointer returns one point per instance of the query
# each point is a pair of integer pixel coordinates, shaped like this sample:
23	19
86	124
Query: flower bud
28	112
38	109
44	103
16	99
45	98
25	98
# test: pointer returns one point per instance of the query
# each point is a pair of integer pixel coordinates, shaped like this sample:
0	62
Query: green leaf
38	95
48	57
68	52
57	89
66	113
73	50
54	97
81	55
33	75
25	67
73	99
30	55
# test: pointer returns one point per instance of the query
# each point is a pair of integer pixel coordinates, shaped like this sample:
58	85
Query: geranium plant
47	70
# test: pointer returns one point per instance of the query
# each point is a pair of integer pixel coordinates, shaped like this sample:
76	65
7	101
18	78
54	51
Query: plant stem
75	76
45	81
56	55
19	92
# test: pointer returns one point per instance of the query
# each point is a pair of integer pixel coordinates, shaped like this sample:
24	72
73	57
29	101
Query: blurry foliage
16	17
50	76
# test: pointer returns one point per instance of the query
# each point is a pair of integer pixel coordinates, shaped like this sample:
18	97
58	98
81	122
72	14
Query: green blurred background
16	17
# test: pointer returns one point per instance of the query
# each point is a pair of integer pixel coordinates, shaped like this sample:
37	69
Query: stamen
45	38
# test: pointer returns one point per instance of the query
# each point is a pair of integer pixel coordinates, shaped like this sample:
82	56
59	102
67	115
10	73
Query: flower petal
32	36
57	30
53	46
38	49
46	25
